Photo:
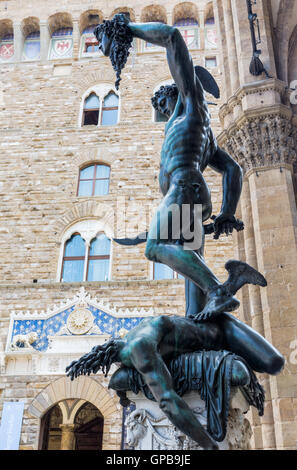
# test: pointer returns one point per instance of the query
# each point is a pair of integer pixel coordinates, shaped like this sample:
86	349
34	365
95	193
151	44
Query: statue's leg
149	363
195	297
166	250
174	253
250	345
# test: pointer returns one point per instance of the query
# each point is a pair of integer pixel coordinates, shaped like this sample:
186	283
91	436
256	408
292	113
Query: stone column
275	221
263	429
18	39
265	146
76	40
231	45
220	25
201	30
44	40
68	436
244	43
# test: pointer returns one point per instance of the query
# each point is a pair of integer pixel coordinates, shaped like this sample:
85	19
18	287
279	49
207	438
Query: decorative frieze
48	341
147	428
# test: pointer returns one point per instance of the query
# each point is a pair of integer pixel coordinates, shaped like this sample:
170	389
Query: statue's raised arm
120	29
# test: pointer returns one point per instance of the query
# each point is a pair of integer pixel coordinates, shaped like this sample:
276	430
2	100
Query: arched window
6	47
94	180
189	29
31	49
89	43
98	259
83	261
162	271
211	40
110	109
74	259
91	110
61	44
100	107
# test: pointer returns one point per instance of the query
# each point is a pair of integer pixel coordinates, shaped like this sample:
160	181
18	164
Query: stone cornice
260	169
251	89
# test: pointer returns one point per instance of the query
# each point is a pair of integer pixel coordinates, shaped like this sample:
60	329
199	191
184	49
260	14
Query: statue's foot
219	300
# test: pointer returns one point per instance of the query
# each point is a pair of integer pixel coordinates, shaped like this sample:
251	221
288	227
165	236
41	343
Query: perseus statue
189	147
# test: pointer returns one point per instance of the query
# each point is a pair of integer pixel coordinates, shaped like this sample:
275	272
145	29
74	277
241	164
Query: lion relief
24	341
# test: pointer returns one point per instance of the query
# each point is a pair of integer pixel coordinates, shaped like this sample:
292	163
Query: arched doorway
50	429
88	429
72	425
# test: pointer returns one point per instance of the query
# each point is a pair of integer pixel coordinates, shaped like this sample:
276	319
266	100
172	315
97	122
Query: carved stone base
149	429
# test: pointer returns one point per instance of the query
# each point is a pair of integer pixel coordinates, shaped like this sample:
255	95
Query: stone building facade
57	123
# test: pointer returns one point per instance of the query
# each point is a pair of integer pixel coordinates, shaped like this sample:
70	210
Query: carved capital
263	140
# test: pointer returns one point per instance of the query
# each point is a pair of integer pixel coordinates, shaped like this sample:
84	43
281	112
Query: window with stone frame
101	110
94	180
162	271
91	110
6	47
210	62
189	28
74	259
211	39
110	109
98	259
31	49
61	45
89	43
86	260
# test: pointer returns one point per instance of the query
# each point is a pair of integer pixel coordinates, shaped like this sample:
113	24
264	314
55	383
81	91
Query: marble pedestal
147	428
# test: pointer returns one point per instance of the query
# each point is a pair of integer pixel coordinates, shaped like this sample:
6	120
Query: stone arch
292	56
153	13
83	211
6	27
30	25
101	154
98	76
209	13
90	18
59	20
124	10
284	27
185	10
82	388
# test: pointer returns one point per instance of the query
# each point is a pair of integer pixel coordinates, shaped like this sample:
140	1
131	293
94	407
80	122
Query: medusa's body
156	340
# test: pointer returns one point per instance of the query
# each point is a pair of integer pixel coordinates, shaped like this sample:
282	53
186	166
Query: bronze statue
156	341
189	147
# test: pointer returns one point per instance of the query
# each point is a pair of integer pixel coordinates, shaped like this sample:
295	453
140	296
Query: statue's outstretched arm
223	163
178	57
